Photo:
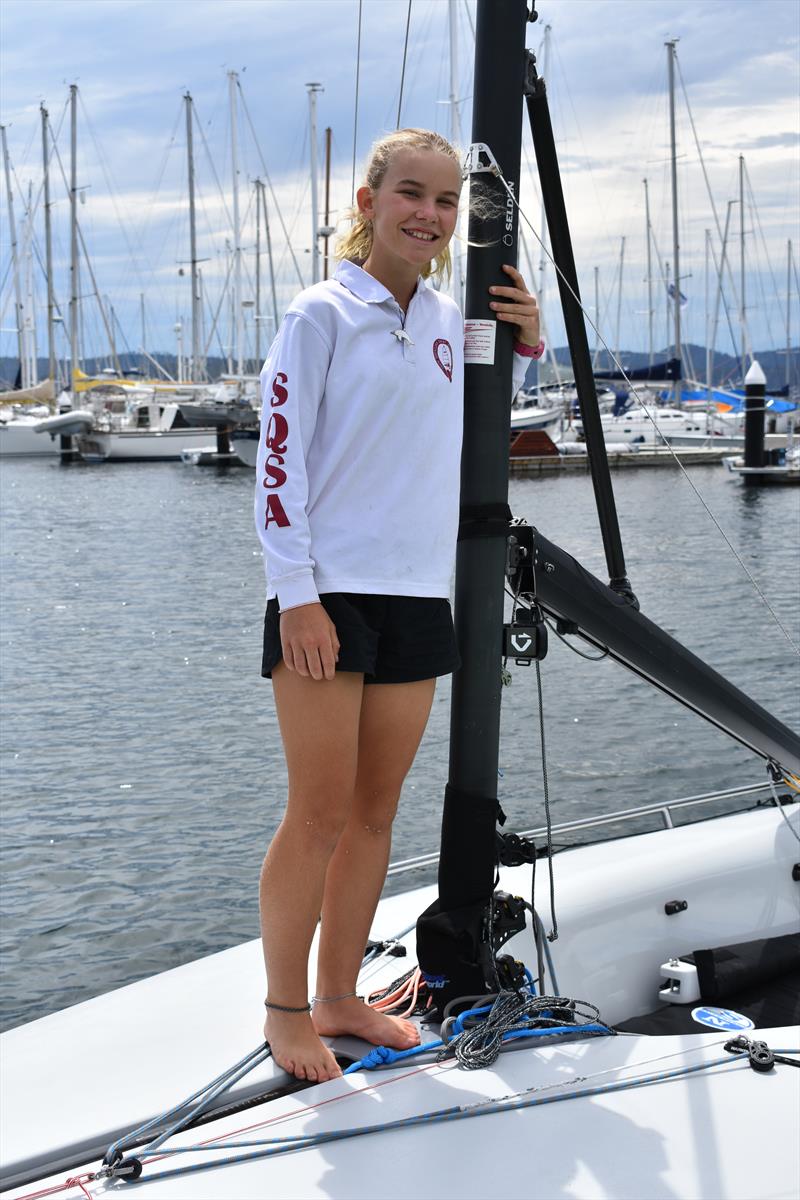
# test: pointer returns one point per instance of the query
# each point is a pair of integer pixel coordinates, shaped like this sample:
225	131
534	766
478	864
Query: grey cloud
772	139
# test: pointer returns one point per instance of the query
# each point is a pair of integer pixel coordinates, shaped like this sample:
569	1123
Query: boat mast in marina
196	364
617	347
74	268
327	228
52	362
648	244
788	311
718	296
313	88
676	295
258	273
260	318
742	324
237	235
19	307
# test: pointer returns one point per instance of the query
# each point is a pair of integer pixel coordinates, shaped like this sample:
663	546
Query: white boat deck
75	1080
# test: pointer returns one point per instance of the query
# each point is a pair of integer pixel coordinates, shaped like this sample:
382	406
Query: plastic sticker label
722	1018
479	339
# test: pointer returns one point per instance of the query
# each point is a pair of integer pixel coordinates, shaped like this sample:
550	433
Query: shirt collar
365	286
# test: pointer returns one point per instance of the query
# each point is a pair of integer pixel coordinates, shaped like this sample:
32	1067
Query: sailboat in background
688	1034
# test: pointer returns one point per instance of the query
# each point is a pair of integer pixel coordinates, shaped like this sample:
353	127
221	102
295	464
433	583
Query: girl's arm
292	387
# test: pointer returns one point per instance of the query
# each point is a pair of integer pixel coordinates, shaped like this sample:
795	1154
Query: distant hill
726	368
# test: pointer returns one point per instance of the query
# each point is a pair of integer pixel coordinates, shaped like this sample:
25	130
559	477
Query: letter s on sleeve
274	474
279	394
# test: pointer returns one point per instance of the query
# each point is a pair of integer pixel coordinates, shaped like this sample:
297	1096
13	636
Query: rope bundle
516	1015
408	996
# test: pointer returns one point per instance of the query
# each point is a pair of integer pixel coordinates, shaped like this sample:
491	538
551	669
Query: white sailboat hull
19	439
72	1081
142	445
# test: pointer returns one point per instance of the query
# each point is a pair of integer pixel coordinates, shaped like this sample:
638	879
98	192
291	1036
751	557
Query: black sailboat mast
480	563
451	945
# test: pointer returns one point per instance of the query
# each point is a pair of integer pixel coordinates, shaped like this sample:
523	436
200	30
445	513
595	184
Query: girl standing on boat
357	508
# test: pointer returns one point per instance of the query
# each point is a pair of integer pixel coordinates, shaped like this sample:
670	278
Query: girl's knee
319	823
375	810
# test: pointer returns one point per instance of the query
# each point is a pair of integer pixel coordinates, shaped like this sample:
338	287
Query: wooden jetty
534	453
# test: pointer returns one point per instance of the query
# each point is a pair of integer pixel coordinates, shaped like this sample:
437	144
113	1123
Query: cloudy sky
133	60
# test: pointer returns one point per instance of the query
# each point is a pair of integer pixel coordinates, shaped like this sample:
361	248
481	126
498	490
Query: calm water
142	768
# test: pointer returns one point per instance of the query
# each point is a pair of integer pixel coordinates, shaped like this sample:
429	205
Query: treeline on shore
727	369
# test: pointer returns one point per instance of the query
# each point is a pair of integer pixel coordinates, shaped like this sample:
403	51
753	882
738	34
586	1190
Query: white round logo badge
722	1018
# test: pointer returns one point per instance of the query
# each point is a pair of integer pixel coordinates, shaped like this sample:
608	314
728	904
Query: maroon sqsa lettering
279	394
276	442
276	511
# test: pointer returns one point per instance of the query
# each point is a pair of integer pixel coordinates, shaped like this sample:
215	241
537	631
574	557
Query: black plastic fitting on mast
561	244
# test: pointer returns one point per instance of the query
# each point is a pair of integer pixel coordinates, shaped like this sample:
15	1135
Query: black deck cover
759	979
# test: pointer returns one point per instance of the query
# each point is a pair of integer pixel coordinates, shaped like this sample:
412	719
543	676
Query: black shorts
392	639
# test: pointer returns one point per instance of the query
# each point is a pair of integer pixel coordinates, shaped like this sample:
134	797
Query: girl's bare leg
393	720
319	722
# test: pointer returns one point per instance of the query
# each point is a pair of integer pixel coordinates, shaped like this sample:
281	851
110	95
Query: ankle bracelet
286	1008
331	999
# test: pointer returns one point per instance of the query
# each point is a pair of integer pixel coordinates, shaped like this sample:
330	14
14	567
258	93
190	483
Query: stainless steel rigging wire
355	114
269	184
403	71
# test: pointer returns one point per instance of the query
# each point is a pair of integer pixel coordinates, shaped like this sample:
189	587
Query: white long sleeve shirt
358	468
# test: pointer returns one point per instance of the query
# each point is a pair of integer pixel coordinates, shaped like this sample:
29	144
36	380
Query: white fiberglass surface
116	1060
682	1137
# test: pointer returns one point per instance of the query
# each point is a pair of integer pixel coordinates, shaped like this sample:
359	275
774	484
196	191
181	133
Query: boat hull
140	445
19	439
75	1079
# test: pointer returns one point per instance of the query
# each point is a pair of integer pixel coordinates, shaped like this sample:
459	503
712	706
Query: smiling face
415	208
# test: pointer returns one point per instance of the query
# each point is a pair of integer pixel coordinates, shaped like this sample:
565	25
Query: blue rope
382	1056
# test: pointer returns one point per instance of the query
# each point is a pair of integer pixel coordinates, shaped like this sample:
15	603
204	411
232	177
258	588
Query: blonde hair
357	242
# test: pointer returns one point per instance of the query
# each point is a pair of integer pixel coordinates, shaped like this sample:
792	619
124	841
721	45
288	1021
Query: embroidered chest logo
443	353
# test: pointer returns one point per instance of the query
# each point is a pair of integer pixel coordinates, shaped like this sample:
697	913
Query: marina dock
539	464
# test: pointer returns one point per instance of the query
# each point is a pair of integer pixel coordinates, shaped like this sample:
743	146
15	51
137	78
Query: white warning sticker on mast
479	340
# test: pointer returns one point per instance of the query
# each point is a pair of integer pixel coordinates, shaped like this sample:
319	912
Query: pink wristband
529	351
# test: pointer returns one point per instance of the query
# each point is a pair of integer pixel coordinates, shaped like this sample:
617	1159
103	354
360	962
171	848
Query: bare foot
355	1017
296	1047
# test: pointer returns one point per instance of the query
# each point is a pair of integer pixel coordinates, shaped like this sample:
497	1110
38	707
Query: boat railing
659	809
